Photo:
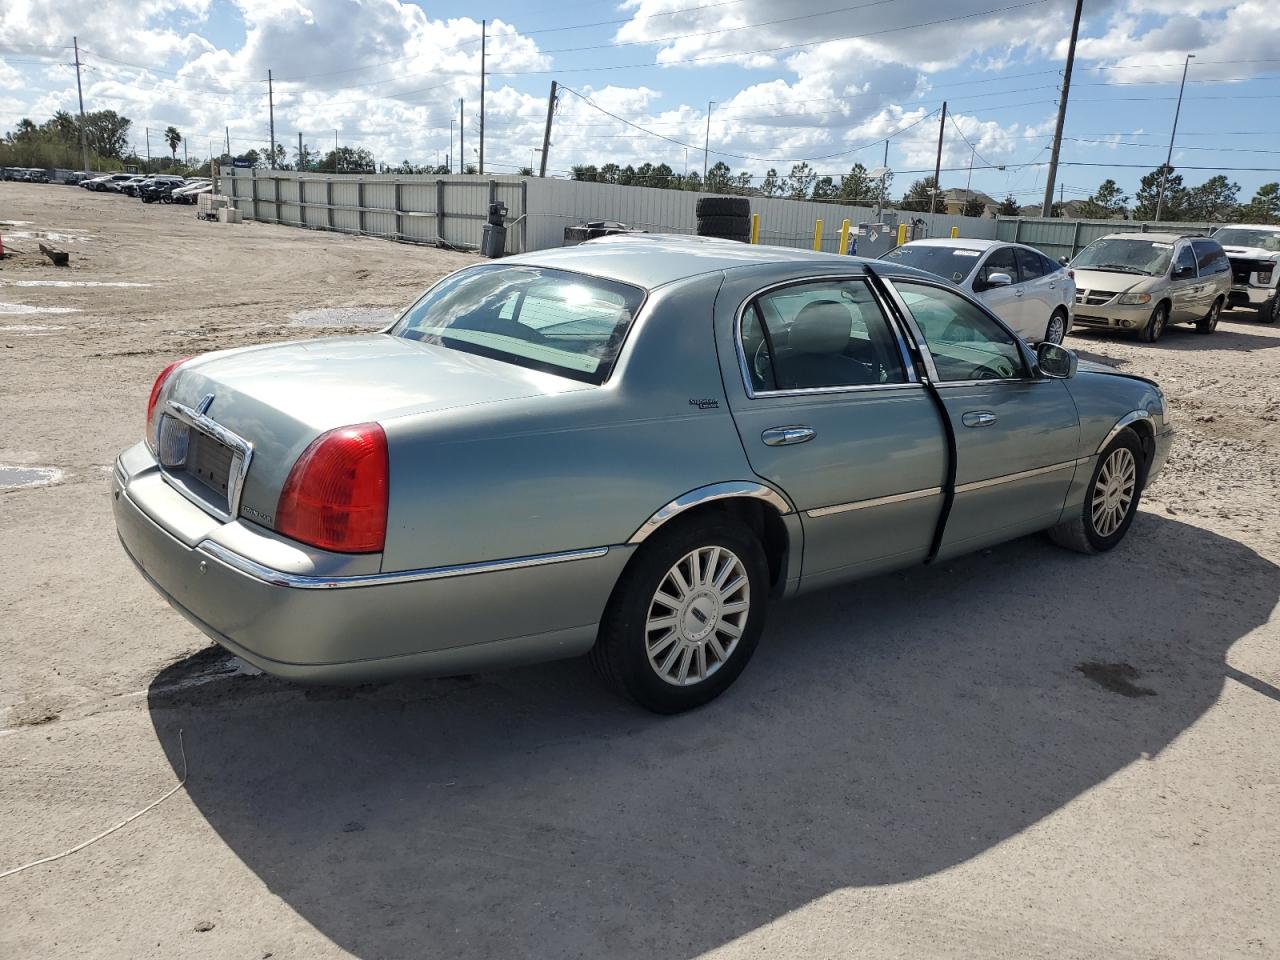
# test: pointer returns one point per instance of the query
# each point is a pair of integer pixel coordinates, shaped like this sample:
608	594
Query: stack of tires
728	218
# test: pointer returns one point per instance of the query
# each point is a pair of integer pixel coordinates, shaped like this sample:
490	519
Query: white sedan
1019	284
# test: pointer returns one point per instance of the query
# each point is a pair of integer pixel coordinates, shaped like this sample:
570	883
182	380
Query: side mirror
998	280
1065	261
1182	273
1056	361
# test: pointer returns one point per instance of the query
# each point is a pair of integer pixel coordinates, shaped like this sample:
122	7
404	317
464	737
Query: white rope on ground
110	830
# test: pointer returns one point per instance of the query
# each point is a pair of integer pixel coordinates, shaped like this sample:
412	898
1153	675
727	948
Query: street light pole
1164	174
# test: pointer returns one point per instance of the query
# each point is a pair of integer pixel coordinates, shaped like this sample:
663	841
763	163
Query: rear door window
1000	261
821	334
1029	262
1210	257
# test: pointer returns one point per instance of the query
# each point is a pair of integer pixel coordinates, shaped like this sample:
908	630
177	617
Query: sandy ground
915	766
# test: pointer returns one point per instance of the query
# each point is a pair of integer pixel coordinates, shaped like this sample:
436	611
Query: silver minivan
1145	281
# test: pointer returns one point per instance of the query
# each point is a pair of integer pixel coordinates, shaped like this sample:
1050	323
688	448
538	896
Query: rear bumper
353	628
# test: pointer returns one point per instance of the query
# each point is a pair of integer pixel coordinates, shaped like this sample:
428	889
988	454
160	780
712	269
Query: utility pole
546	132
1168	160
706	146
462	135
880	201
483	32
186	161
937	166
1046	208
148	149
84	149
228	131
335	151
271	112
302	153
450	163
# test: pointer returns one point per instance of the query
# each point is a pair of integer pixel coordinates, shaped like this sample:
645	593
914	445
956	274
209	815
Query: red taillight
336	494
155	391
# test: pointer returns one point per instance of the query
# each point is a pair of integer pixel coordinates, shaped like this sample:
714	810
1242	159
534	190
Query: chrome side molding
709	494
819	512
1021	475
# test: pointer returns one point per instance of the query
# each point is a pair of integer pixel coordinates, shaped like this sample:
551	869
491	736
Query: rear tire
1209	322
686	616
1110	500
1156	325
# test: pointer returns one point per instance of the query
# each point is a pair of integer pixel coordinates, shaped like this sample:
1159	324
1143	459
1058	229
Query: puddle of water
376	317
69	283
23	309
11	477
27	328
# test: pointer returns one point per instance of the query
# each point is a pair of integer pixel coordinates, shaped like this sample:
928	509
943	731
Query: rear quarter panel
571	471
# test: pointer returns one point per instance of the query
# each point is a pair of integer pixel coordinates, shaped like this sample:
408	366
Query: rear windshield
950	263
550	320
1241	237
1124	255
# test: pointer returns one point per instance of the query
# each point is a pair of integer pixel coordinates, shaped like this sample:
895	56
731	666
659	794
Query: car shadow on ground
885	731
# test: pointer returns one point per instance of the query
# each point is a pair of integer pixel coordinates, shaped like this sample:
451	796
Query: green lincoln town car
629	449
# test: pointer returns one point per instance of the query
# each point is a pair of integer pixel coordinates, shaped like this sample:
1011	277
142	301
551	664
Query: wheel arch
759	506
1140	423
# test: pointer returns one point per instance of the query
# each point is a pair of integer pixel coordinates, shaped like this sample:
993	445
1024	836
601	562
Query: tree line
56	143
1217	200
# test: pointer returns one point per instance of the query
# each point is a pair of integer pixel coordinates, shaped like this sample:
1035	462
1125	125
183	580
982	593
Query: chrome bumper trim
818	512
279	578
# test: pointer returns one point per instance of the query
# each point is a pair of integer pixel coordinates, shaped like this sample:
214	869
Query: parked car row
24	174
1136	282
151	188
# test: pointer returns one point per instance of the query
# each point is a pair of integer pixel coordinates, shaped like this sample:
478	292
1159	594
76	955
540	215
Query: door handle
784	436
978	418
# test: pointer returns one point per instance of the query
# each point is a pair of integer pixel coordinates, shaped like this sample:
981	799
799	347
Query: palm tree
173	138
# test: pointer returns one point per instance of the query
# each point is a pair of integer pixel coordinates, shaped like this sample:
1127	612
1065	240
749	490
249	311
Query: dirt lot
1024	753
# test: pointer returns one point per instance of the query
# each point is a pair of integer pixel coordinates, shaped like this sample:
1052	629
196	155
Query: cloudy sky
821	80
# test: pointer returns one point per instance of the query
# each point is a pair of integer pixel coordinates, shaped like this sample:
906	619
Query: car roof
960	243
652	260
1157	237
1275	228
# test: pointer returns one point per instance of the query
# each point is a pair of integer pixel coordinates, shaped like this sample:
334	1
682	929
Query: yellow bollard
844	238
817	234
755	228
902	234
955	232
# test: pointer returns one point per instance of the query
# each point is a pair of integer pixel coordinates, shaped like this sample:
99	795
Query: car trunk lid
253	411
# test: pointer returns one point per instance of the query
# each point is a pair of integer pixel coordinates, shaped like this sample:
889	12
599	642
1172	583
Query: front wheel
1056	331
1270	312
1110	500
1155	326
1209	322
686	617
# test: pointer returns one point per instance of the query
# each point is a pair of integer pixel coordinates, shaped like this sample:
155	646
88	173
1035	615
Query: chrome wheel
697	615
1057	330
1113	491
